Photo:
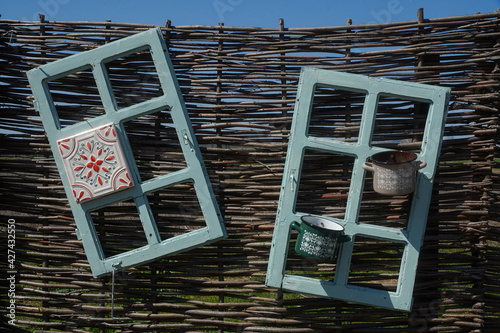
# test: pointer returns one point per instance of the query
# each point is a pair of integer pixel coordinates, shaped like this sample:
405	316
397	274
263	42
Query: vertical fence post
483	161
46	175
101	229
283	74
220	166
430	248
284	130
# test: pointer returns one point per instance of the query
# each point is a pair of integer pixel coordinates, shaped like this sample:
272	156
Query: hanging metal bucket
319	238
394	172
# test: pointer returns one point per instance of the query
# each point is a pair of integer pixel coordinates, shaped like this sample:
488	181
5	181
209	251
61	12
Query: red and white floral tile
95	163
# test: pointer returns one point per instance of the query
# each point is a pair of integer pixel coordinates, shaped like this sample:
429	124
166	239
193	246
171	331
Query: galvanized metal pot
318	238
394	172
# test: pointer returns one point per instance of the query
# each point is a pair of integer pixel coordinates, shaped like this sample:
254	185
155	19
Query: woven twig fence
239	84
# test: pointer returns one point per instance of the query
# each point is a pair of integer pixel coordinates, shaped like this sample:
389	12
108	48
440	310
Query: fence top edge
222	27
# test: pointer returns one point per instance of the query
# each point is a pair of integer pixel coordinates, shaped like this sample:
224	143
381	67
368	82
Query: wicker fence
239	85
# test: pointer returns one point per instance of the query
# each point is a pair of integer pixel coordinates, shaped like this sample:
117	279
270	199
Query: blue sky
257	13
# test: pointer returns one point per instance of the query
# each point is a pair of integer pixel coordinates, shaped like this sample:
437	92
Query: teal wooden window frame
411	238
171	100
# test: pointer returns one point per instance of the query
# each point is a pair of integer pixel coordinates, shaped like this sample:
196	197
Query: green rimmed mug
319	238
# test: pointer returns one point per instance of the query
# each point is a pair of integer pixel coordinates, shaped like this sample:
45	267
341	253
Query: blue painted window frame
171	100
411	238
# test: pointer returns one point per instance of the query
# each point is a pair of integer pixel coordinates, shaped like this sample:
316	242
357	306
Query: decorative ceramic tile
95	163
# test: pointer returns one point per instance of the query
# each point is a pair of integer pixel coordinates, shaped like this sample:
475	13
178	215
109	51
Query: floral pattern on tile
95	163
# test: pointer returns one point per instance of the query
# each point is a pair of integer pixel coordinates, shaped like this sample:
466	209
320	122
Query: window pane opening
176	210
76	97
134	79
324	184
336	113
155	145
119	228
375	263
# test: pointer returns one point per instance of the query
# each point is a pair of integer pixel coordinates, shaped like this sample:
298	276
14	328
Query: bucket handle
367	166
420	165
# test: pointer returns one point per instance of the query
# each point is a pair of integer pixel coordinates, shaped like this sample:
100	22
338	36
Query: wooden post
430	246
218	130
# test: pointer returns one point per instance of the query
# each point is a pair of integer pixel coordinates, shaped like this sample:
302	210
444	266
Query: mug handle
295	225
344	239
367	166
